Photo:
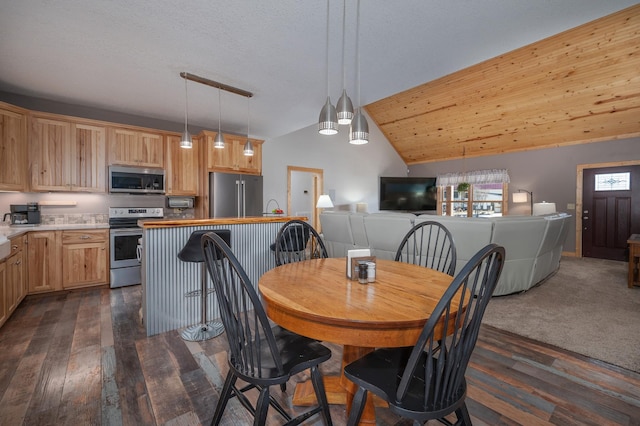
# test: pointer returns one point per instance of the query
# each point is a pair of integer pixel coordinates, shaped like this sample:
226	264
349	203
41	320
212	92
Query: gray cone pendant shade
359	131
344	109
328	122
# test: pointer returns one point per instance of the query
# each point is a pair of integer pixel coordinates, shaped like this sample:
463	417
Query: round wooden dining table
315	298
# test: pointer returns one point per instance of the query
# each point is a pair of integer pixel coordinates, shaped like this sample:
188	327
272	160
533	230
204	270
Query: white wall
350	171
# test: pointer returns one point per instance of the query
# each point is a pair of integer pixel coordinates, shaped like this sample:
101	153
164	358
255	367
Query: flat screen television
408	194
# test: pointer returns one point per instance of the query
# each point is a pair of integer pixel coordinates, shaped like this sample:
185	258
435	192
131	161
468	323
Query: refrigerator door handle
238	198
244	204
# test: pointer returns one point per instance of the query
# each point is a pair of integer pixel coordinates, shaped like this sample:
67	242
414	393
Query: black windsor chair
258	355
428	382
429	244
296	241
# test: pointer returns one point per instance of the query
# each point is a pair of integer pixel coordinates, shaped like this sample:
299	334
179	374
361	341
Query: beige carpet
586	307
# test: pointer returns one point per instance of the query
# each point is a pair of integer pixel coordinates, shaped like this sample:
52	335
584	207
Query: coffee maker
24	214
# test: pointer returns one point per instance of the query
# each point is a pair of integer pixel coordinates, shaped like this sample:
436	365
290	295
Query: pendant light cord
358	52
327	55
186	103
344	26
219	111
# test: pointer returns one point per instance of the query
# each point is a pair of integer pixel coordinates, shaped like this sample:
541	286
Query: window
613	181
473	194
480	200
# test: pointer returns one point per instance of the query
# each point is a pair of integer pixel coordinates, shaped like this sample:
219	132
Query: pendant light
186	141
248	146
328	122
359	131
219	140
344	107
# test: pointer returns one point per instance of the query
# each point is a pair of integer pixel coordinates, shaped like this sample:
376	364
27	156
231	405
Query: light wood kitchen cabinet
13	279
232	158
16	274
85	258
182	167
13	147
133	147
44	255
67	156
4	312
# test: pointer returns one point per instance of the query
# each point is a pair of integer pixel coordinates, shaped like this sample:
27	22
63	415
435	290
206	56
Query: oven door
124	247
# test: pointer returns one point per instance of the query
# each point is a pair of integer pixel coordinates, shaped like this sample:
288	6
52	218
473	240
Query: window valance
474	177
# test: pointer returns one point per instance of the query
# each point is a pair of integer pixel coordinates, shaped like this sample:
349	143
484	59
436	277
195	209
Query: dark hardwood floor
83	358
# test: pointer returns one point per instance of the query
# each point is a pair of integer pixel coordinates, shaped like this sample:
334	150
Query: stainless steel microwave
136	180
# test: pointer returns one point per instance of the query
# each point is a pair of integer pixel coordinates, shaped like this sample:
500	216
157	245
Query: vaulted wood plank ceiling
579	86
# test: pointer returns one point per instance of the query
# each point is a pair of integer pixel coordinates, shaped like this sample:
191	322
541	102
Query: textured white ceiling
126	56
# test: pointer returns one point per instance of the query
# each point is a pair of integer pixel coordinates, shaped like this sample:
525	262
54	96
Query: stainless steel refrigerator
234	195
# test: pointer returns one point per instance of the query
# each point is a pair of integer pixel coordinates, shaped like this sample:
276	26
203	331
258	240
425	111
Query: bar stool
192	252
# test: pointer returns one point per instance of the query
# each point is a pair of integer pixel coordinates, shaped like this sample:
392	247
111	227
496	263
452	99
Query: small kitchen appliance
24	214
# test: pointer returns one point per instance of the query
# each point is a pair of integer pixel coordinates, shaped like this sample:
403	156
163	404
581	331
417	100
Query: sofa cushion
470	234
385	232
336	232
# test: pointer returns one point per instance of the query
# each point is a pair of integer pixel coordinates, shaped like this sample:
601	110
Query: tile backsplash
74	219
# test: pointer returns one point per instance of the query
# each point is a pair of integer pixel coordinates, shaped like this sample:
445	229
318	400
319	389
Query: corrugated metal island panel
166	279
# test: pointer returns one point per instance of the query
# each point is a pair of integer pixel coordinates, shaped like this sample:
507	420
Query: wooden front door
610	212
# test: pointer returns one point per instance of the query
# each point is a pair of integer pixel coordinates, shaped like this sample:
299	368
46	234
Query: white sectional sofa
533	244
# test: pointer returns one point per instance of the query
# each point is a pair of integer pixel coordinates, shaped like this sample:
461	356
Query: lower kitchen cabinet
16	273
85	258
44	254
4	312
13	279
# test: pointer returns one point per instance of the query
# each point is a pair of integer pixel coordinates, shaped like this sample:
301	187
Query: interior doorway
607	209
304	186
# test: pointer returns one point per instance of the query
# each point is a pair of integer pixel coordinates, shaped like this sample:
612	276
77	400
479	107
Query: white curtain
474	177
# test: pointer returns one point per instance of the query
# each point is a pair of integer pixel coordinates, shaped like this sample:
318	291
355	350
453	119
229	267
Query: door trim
318	185
579	189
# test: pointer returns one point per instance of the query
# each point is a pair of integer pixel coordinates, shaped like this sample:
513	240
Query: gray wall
549	173
351	172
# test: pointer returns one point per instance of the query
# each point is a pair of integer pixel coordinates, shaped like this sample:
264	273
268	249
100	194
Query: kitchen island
166	279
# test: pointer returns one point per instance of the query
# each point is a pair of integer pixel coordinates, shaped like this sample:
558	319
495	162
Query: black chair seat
297	353
192	250
381	371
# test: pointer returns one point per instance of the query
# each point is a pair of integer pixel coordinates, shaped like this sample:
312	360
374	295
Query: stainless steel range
124	234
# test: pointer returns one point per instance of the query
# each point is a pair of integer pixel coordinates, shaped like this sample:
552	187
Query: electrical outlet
571	206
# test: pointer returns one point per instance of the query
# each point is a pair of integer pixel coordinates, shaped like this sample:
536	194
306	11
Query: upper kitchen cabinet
13	148
67	155
136	147
182	167
231	158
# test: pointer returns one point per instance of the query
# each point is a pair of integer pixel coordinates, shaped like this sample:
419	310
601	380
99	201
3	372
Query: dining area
107	370
405	337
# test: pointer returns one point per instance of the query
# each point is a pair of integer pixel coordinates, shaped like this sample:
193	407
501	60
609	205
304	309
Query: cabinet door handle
18	262
85	237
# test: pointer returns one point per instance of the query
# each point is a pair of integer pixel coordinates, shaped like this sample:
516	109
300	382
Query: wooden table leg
339	389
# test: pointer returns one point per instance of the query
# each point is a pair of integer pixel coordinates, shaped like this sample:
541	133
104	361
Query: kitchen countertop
10	231
169	223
